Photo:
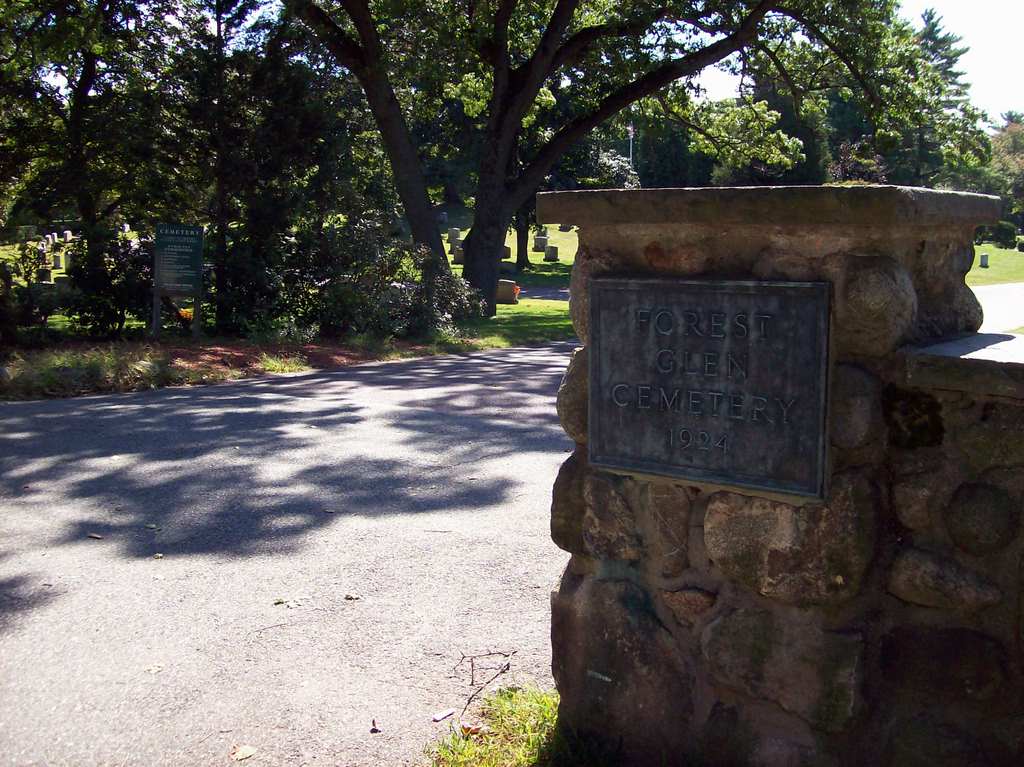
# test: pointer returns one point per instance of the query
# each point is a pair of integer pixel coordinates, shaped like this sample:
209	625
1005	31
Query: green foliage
1004	234
354	279
736	133
1008	163
113	279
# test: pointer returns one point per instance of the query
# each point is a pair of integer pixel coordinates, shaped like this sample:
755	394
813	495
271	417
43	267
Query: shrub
358	280
1020	245
113	277
8	308
1003	234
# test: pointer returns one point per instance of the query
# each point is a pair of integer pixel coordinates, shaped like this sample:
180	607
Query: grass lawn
518	730
529	321
553	274
1004	265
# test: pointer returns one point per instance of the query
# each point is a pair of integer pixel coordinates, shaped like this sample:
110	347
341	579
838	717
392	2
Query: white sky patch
718	85
992	66
992	29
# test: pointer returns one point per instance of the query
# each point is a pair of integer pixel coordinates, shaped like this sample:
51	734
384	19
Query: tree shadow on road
254	467
21	594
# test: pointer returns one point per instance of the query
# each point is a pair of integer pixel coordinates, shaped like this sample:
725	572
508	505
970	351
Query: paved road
421	487
546	293
1003	305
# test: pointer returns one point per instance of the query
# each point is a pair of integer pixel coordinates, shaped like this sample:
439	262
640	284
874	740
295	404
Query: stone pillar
880	623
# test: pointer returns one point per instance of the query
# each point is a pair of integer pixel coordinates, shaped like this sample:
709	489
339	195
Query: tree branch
796	91
649	83
500	59
345	49
815	31
573	49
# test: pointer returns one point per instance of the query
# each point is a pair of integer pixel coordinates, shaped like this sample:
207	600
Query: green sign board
179	259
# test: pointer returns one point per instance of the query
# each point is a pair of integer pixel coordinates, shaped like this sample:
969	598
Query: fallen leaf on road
352	597
158	555
279	601
95	536
152	527
238	753
440	716
373	727
471	729
155	669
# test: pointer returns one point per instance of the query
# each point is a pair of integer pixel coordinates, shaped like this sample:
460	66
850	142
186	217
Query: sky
994	65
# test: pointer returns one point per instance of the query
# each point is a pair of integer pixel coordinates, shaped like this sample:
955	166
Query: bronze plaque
712	381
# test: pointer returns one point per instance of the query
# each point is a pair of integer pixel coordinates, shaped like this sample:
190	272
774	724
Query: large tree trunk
485	243
405	165
366	60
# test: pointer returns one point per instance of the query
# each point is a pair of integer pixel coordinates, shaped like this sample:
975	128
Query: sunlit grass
68	372
1004	265
541	273
519	730
529	321
283	363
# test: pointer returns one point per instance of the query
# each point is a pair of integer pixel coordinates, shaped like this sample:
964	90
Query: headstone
56	261
454	235
540	243
506	253
62	280
53	237
984	260
67	261
67	235
126	227
508	292
458	257
551	253
43	275
453	246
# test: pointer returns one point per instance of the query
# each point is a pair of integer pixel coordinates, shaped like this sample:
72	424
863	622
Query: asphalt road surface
275	563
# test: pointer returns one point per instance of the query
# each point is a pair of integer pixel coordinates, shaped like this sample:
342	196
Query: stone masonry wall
698	626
